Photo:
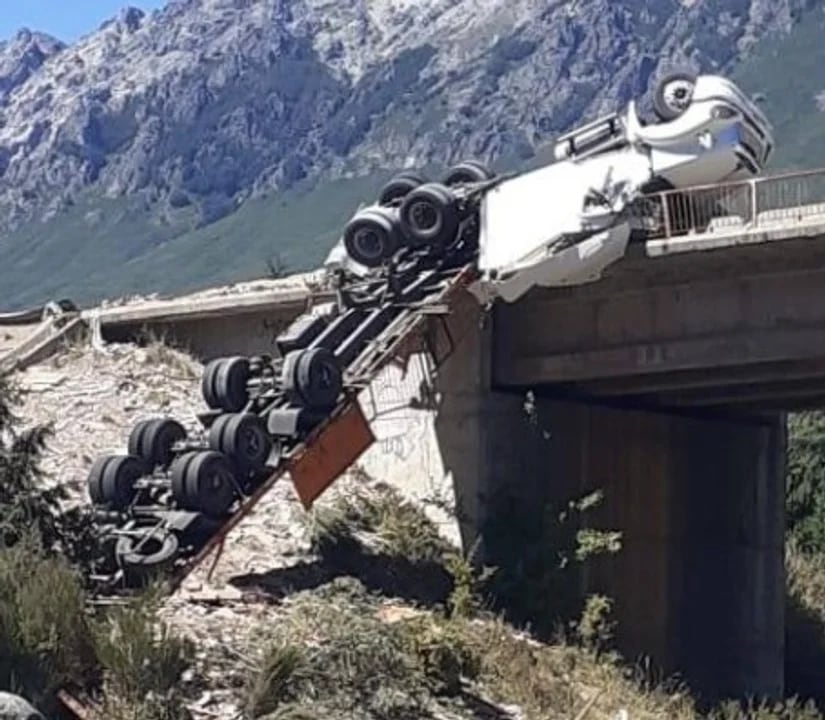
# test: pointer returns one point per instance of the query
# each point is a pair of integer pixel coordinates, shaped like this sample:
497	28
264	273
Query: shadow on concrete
425	583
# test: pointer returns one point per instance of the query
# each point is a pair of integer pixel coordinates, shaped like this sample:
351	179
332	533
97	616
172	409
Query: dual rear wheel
411	212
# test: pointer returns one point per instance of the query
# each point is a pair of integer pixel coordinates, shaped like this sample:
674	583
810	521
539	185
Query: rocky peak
22	56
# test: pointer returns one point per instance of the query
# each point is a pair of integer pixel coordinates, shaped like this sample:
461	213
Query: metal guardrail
738	206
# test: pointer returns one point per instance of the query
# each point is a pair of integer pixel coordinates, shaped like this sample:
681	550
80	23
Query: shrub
139	655
805	493
44	632
536	550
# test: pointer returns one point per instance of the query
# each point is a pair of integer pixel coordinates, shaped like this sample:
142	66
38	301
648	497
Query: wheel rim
677	95
367	242
325	377
252	442
424	217
217	480
461	177
148	547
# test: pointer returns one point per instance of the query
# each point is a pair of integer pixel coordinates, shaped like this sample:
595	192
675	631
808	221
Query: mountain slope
149	131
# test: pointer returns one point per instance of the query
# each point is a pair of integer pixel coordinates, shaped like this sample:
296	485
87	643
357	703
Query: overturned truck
173	497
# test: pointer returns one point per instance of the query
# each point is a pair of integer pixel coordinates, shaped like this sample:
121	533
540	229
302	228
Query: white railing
760	202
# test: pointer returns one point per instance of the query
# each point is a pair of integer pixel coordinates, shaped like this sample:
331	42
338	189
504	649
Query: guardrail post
666	213
754	209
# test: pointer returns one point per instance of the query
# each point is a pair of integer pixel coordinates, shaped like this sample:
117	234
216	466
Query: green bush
139	655
45	637
805	490
536	550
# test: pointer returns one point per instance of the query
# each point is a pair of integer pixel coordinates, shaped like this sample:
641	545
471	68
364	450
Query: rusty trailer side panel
337	446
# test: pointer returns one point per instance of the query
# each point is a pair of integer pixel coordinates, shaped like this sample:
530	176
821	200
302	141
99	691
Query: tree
27	510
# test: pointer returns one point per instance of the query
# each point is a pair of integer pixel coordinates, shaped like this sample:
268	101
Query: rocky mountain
195	110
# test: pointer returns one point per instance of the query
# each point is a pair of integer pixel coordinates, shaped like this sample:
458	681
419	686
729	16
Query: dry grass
380	518
457	651
161	352
391	545
139	655
805	634
331	651
339	652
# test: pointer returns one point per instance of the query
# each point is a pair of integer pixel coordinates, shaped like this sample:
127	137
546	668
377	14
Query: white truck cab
564	223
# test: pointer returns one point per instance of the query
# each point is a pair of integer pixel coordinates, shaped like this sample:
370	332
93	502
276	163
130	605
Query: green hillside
72	255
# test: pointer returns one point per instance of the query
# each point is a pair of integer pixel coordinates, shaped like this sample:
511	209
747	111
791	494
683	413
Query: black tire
159	440
673	94
243	438
467	172
136	437
208	392
94	480
318	378
487	171
177	473
230	384
372	237
429	216
206	484
117	485
143	561
399	187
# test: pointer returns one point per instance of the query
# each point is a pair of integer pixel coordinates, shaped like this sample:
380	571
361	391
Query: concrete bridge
664	385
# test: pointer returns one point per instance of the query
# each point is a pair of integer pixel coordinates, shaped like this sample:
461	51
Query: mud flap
329	452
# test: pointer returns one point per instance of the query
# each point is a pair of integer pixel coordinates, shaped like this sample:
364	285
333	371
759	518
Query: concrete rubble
92	399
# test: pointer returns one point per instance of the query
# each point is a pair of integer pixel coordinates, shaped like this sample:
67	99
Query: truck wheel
136	436
210	373
371	237
146	555
230	384
399	187
114	483
177	474
673	95
152	441
94	480
204	482
243	438
468	171
429	216
318	379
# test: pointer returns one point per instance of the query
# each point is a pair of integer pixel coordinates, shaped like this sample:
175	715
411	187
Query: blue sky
65	19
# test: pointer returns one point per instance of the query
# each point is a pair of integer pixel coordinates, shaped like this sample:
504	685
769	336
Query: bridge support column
699	583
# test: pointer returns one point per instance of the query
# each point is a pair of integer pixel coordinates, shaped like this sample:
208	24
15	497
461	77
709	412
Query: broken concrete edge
37	347
206	307
46	337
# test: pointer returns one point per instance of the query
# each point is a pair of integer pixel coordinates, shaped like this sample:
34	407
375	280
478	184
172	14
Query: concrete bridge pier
699	583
